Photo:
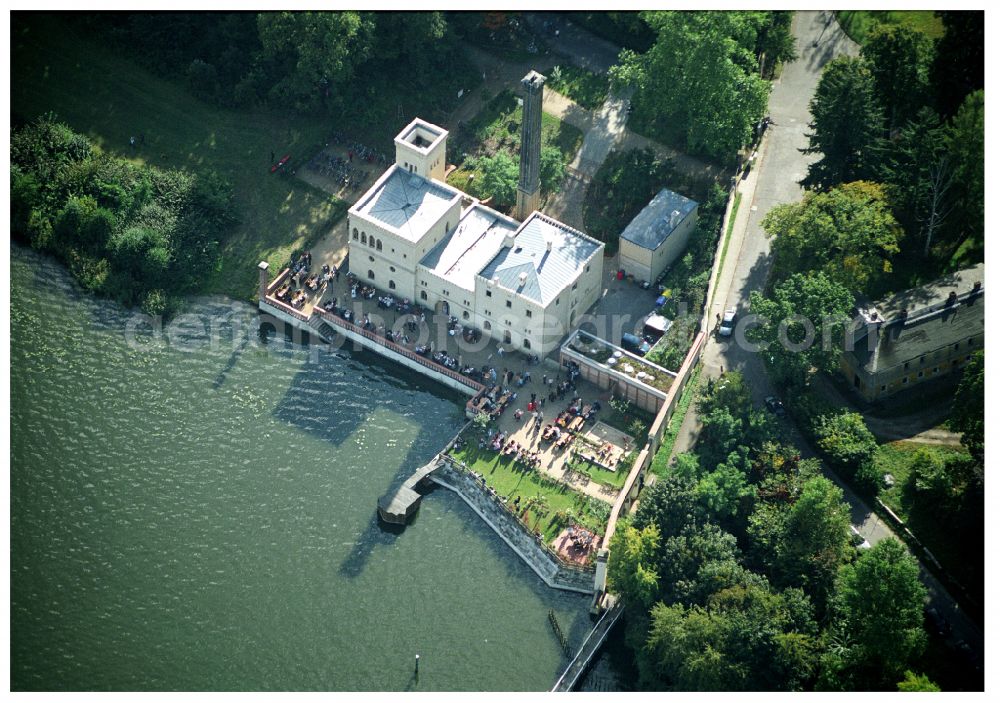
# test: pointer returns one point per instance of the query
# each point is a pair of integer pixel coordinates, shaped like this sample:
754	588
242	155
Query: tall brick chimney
529	185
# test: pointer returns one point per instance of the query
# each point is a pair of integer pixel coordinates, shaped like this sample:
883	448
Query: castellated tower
529	185
420	149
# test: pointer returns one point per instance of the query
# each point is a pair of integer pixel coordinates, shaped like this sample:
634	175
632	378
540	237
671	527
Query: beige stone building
657	235
524	284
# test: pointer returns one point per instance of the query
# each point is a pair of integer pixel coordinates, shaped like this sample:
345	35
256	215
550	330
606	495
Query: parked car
775	405
655	326
858	539
728	323
634	344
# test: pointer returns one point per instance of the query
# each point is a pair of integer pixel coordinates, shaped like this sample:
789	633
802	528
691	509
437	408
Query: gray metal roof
547	269
460	255
931	323
651	227
408	203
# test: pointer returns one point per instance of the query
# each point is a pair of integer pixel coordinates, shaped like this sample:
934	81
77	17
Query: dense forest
138	234
739	573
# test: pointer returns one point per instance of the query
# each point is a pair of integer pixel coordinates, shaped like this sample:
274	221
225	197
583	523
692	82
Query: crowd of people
581	539
507	446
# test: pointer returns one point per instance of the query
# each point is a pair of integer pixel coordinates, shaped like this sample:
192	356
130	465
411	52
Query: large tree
847	122
746	638
699	82
960	60
899	59
848	232
965	145
632	565
790	324
671	504
848	445
314	51
499	180
880	600
918	168
968	410
814	540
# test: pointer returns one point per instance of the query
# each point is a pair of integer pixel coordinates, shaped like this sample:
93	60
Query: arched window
487	325
392	285
364	238
423	295
378	245
371	274
355	233
465	314
371	242
527	344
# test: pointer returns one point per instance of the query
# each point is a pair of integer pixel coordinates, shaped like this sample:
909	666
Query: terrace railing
338	321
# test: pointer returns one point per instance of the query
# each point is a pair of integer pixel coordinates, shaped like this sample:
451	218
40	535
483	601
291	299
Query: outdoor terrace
621	361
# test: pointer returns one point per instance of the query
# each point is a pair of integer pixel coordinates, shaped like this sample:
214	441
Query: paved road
774	180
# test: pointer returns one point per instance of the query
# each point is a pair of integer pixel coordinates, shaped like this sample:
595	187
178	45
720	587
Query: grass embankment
586	89
857	23
512	480
661	460
729	232
959	556
109	99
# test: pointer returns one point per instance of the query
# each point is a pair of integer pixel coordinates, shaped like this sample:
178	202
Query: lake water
186	516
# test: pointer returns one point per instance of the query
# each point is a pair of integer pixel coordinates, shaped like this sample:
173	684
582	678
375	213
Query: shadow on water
375	383
230	364
376	534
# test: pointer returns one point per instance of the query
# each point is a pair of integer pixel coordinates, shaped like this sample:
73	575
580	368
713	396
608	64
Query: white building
413	235
657	235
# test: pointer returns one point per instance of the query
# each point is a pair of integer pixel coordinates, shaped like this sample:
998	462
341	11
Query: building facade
523	284
657	235
917	336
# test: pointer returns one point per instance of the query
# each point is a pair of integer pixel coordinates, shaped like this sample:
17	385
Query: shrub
849	446
499	181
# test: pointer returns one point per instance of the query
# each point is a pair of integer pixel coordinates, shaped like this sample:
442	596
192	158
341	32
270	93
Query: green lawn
589	90
857	23
110	99
894	458
511	480
729	231
615	479
958	555
661	460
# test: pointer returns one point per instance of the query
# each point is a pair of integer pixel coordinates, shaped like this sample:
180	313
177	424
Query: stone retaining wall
513	532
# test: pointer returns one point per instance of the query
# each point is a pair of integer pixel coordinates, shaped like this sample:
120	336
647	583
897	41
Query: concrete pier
397	506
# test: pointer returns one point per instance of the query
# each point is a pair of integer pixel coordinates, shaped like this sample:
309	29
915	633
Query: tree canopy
846	124
632	564
899	60
968	410
849	233
881	600
699	83
801	325
135	233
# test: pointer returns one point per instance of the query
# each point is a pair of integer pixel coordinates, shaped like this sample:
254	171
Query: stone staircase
323	330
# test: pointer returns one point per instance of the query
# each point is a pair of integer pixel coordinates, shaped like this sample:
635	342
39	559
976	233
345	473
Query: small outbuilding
658	235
